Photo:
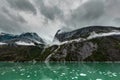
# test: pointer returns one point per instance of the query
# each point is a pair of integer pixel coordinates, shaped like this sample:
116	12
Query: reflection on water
59	71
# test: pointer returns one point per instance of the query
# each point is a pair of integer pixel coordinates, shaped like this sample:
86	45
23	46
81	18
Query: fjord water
59	71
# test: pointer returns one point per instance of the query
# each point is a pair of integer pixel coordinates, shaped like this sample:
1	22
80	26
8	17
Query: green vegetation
19	53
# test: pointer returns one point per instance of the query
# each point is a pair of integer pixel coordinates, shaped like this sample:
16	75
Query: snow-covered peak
32	36
24	37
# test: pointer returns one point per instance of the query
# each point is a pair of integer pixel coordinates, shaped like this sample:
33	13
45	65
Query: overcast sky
45	17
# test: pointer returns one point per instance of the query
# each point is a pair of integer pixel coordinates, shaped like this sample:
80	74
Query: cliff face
97	49
73	51
102	48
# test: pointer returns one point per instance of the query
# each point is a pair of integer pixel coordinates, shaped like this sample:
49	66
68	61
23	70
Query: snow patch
1	43
24	43
37	42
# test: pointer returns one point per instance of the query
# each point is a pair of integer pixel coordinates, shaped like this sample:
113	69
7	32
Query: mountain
106	48
84	32
94	43
22	39
31	36
6	37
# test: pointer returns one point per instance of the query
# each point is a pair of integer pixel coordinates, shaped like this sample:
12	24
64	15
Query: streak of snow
93	35
24	43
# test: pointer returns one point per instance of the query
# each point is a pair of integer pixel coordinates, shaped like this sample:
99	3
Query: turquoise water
59	71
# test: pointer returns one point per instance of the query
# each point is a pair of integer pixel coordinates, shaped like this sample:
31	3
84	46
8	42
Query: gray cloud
113	8
87	14
47	16
49	12
94	9
23	5
7	25
12	16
